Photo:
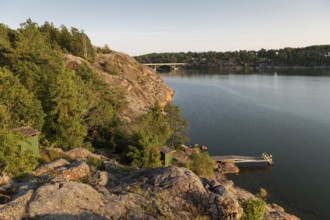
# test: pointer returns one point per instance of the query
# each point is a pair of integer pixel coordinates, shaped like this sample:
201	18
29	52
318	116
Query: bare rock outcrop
81	153
186	193
65	198
160	193
141	85
50	167
5	179
61	170
73	172
274	211
17	208
226	167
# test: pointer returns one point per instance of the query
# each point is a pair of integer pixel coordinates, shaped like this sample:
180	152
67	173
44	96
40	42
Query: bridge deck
164	64
243	159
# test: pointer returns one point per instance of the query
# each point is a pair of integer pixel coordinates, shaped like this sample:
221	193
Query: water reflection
283	112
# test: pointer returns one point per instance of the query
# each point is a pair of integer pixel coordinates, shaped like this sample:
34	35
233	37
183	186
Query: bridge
265	158
155	66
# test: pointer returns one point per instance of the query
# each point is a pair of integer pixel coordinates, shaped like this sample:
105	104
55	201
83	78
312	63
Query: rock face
226	167
61	170
4	179
70	198
49	167
183	194
141	85
161	193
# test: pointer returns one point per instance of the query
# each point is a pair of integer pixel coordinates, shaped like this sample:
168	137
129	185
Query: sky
145	26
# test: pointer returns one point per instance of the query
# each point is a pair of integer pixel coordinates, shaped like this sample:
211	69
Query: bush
201	164
108	67
47	156
254	209
94	163
105	49
13	160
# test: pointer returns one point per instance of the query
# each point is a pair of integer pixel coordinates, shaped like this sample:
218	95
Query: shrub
108	67
13	160
201	164
105	49
47	156
94	163
254	209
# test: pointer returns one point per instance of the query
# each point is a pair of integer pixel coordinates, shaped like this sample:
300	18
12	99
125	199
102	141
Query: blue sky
145	26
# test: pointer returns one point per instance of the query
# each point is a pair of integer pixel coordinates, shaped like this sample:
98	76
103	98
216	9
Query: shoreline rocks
226	168
60	190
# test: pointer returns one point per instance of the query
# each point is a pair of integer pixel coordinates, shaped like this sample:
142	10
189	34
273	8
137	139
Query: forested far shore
307	57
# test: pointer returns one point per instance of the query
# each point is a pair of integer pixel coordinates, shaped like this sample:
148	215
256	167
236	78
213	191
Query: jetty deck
265	158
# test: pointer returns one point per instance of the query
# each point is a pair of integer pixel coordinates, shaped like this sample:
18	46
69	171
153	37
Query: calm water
285	115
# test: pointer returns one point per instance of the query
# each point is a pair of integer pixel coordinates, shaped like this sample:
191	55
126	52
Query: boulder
110	165
185	192
73	172
226	167
54	152
49	167
160	193
81	153
274	211
101	178
16	209
70	198
5	179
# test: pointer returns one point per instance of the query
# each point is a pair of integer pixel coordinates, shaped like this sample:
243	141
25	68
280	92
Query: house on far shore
30	141
166	155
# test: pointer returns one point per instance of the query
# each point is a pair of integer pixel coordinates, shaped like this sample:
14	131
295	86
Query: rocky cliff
142	86
72	190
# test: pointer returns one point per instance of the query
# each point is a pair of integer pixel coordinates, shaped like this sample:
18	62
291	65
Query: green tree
151	132
101	115
146	151
21	104
5	45
178	126
64	122
4	117
13	161
31	44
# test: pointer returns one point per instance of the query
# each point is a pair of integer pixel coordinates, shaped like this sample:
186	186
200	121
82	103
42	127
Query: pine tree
21	104
152	133
64	122
13	161
179	126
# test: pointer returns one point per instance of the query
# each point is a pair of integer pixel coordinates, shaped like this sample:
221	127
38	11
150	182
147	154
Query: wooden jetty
265	158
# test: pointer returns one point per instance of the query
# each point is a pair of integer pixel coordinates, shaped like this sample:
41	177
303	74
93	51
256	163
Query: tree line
71	107
313	56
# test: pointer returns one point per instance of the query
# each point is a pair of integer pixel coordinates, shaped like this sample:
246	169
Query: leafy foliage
178	126
94	163
72	108
21	105
68	107
145	152
201	164
73	41
13	160
152	132
254	209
